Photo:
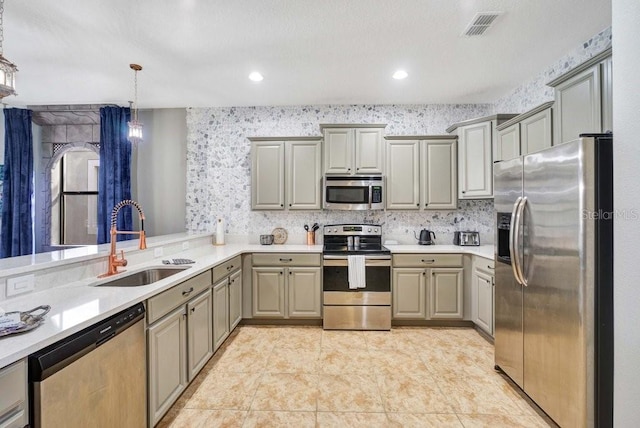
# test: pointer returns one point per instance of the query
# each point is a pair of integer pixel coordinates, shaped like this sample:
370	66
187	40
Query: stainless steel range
346	307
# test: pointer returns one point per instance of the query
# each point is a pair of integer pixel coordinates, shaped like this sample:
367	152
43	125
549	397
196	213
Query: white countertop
80	304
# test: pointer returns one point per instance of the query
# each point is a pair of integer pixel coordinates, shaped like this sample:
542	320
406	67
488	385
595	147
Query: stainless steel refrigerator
554	278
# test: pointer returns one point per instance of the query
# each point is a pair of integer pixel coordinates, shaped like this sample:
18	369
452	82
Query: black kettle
425	237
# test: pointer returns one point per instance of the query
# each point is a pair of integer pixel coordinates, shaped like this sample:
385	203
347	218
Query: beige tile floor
307	377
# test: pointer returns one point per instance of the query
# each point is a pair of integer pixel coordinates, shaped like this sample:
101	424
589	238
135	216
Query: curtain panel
17	186
114	176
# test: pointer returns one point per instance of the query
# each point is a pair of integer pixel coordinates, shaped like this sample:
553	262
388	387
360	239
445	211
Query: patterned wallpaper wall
535	91
218	168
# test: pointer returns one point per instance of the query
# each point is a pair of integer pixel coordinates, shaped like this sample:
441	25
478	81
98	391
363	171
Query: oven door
377	272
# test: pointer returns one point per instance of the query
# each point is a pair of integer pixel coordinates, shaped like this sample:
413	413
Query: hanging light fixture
135	127
7	68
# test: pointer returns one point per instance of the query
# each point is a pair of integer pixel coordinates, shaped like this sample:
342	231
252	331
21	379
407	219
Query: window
74	192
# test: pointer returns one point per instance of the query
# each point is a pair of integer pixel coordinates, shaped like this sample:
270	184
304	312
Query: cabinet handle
490	267
189	291
427	261
286	260
184	316
193	310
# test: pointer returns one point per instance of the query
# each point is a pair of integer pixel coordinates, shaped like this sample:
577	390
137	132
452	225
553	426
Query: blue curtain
17	187
114	177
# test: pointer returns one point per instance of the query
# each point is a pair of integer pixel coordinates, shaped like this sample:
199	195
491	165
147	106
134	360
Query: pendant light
135	127
7	68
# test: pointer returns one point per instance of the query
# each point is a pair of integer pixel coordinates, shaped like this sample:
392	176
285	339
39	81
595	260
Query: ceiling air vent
481	23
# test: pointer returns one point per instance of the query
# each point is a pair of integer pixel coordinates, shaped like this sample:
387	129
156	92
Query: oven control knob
335	230
369	230
375	230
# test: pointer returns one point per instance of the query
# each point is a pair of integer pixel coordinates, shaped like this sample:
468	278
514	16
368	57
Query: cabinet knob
289	204
289	272
424	273
282	205
193	310
417	205
463	191
426	205
187	292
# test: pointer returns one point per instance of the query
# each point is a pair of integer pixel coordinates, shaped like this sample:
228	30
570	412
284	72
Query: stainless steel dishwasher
94	378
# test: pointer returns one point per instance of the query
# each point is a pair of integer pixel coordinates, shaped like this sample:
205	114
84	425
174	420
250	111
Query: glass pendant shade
135	131
7	77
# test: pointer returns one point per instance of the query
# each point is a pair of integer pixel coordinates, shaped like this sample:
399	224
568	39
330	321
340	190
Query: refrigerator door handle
516	244
512	244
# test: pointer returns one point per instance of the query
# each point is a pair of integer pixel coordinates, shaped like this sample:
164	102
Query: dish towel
357	276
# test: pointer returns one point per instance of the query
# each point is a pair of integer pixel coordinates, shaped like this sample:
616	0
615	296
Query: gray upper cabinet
526	133
476	141
583	99
508	146
353	149
421	172
286	173
403	174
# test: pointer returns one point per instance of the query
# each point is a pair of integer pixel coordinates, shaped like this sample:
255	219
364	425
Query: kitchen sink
143	277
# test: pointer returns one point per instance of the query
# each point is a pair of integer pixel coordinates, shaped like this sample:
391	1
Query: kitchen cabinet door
199	333
475	163
167	362
14	409
305	292
508	143
268	292
304	175
338	150
409	289
483	284
403	174
220	312
536	132
578	106
369	153
235	299
438	175
607	95
267	175
445	295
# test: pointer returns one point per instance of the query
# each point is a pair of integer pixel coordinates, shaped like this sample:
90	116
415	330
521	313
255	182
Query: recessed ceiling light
256	77
400	74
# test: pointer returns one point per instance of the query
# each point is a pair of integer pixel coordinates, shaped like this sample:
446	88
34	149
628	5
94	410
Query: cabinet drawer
224	269
160	305
282	259
484	265
13	384
427	260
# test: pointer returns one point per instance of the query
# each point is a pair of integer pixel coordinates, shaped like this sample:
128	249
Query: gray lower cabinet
179	340
483	294
286	286
220	312
421	172
14	408
286	173
167	354
235	300
427	286
583	99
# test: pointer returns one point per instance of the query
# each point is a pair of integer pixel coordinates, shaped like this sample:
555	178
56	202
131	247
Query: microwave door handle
521	208
512	248
370	196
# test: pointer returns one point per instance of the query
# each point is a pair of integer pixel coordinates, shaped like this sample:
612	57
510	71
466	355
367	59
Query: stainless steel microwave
353	193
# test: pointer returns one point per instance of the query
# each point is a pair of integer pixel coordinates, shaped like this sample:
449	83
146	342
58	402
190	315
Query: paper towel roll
220	232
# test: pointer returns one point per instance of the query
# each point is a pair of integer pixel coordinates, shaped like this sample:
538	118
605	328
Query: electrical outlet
158	252
185	246
20	284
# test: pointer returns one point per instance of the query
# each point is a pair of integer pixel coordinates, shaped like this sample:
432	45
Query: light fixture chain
1	24
135	95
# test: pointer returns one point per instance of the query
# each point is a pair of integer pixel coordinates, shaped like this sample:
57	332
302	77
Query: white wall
159	171
626	123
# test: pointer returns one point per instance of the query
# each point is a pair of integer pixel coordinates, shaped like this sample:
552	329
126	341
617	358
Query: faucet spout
114	261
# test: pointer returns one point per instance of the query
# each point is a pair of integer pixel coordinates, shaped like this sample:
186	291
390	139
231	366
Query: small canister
311	238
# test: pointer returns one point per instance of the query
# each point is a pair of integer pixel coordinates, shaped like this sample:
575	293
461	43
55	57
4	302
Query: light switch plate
20	284
158	252
185	245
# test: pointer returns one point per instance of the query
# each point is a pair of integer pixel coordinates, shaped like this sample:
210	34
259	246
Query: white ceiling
198	53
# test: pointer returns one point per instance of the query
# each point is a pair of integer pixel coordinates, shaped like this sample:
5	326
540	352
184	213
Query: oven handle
369	261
